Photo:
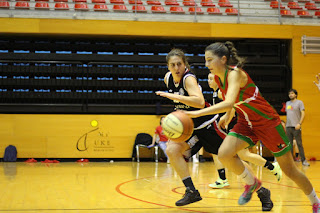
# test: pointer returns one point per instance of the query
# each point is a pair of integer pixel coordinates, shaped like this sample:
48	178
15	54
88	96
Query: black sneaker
189	197
201	159
265	198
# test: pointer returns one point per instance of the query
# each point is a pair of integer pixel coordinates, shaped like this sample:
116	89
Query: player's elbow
201	104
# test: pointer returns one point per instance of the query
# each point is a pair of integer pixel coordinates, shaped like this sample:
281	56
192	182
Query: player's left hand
166	95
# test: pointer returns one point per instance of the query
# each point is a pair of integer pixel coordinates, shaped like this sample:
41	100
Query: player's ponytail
228	50
233	55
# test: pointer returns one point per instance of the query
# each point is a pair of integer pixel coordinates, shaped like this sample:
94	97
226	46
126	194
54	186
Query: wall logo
95	140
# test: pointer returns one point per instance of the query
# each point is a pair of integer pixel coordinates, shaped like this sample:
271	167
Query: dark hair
161	119
226	49
179	53
293	90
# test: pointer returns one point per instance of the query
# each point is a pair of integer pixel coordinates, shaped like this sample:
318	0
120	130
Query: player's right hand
224	122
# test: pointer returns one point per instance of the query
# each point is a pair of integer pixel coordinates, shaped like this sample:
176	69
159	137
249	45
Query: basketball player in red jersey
257	119
186	94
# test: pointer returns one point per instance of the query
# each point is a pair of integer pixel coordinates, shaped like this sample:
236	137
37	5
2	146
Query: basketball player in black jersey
186	94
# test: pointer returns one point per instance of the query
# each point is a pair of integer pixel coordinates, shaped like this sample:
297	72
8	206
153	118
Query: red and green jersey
250	106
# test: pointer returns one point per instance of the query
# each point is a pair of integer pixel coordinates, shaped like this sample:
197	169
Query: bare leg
290	169
217	162
228	154
274	168
246	155
222	182
174	151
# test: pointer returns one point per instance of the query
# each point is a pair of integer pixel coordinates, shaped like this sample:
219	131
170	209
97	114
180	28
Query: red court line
175	191
158	204
295	187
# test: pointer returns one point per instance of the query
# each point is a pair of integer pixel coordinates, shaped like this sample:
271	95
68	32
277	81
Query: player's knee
223	155
172	151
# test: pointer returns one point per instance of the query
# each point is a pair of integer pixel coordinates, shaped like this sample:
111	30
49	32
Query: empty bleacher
244	11
69	75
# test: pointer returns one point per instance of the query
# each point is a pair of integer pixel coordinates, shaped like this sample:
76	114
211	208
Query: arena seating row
302	8
54	74
121	8
137	6
221	3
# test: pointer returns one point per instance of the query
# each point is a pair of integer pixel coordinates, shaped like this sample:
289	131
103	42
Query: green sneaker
277	171
248	191
219	184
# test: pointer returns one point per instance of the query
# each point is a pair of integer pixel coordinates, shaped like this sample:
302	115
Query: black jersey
180	89
216	99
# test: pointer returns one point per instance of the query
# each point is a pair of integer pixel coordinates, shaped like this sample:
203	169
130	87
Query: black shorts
207	138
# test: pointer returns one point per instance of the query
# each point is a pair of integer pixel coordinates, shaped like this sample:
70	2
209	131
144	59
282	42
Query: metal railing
257	10
310	45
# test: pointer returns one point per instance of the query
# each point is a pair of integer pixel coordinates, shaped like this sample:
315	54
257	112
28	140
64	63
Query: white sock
247	177
313	197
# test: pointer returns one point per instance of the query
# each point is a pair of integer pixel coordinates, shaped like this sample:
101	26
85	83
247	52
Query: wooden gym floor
135	187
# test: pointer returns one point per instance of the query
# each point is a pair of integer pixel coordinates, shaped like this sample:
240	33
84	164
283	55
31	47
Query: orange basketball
177	126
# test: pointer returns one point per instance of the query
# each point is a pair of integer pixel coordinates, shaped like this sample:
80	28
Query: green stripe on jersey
244	89
242	137
257	111
285	139
225	80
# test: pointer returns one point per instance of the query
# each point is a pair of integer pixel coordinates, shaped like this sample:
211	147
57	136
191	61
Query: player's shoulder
166	77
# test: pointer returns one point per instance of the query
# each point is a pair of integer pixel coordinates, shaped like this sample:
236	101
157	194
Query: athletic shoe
264	196
305	163
201	159
189	197
248	191
316	208
277	171
219	184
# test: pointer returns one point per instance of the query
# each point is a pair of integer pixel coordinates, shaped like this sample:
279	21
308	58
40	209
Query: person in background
295	147
295	116
318	81
161	139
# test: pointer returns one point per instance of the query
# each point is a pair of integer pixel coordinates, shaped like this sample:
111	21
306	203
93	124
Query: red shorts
272	136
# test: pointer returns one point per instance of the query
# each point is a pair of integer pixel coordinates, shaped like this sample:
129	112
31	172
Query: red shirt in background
159	132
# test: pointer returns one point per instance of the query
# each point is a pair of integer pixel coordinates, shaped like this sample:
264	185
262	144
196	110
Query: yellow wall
305	67
304	70
72	136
